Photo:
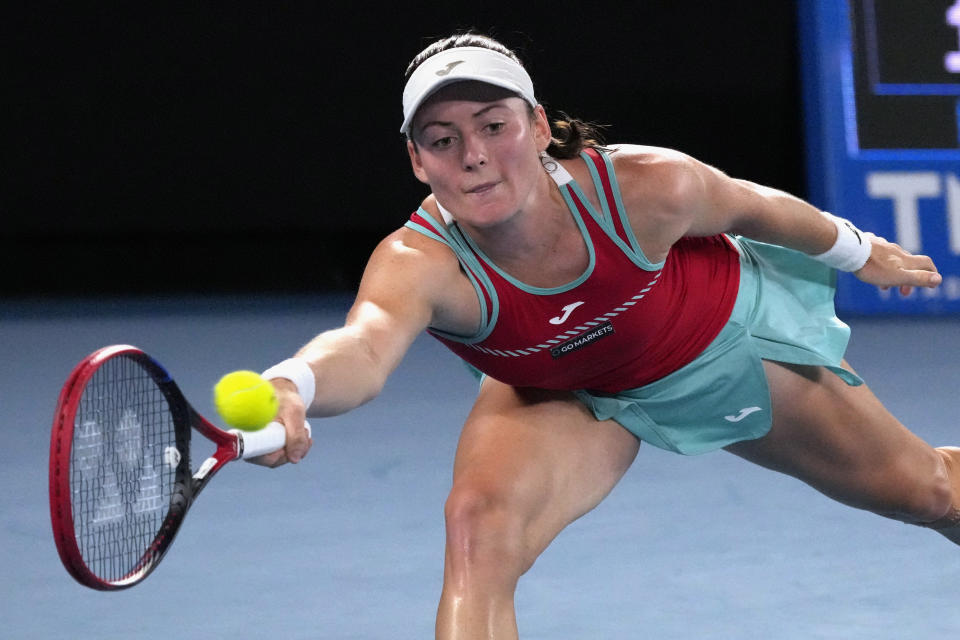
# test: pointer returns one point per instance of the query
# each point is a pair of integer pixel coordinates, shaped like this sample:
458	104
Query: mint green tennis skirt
784	312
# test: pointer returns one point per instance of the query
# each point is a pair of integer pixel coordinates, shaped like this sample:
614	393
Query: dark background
161	148
903	121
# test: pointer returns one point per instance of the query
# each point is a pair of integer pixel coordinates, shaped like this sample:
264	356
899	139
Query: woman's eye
495	127
443	142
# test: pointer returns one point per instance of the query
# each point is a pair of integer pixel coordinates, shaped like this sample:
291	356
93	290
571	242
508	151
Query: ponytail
570	136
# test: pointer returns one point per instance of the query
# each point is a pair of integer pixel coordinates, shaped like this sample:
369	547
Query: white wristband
851	249
297	371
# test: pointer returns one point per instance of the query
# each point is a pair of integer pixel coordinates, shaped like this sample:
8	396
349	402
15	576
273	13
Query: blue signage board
881	81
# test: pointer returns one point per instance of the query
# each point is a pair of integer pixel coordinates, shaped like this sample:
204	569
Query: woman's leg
843	442
529	462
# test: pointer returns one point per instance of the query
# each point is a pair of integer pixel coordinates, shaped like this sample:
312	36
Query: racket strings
123	467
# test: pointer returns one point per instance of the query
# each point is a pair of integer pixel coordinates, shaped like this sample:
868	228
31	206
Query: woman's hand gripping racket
121	481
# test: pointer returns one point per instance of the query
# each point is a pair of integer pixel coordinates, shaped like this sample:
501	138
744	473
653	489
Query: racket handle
266	440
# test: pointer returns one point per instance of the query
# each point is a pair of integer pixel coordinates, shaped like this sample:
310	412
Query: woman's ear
415	163
541	128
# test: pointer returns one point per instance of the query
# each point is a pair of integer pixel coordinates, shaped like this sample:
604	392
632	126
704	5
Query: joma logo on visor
446	70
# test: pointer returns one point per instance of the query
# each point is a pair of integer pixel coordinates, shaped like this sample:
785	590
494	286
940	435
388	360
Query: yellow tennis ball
245	400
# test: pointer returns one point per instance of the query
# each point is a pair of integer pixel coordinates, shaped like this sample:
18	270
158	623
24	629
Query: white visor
458	64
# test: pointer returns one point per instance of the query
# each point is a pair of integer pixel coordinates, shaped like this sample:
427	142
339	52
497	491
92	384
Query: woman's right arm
406	286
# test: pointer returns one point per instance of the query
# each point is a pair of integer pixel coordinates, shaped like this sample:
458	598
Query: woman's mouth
482	188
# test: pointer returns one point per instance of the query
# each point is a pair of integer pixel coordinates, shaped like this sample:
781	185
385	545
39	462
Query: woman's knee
931	493
487	529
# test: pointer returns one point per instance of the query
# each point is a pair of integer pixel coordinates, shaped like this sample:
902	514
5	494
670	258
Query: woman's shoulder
632	158
661	188
653	174
407	244
407	259
419	249
423	267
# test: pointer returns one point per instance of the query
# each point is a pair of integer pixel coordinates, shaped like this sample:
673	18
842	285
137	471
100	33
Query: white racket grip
266	440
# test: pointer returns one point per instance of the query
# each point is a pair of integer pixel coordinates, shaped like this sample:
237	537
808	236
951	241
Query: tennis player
610	295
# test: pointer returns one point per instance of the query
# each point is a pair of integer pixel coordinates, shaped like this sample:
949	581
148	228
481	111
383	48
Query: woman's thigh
842	441
541	456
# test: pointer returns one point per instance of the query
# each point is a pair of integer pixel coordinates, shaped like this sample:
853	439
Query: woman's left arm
708	202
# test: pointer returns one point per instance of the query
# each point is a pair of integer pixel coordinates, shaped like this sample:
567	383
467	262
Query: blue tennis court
349	544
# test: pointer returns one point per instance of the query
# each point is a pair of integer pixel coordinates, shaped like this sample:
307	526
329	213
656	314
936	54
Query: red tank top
622	324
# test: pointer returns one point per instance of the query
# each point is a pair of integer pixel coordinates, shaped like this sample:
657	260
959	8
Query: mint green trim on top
607	227
598	185
468	259
617	199
473	270
634	251
545	291
575	188
425	231
605	223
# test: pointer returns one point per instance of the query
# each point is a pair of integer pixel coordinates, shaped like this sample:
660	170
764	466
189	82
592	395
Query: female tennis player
610	295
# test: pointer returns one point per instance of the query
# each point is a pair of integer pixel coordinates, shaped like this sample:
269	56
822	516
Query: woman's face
477	146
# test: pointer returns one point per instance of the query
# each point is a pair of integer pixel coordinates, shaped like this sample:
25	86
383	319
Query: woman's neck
541	245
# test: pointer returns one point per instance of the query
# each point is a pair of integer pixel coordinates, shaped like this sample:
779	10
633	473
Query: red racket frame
229	446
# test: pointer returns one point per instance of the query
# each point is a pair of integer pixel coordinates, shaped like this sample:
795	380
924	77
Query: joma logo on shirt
582	340
567	310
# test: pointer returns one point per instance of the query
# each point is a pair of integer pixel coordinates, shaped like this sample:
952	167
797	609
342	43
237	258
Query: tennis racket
121	481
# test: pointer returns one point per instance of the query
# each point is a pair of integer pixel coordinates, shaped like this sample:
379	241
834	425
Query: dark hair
466	39
569	136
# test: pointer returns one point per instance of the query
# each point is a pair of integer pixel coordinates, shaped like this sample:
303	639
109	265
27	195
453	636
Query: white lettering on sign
953	211
905	188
